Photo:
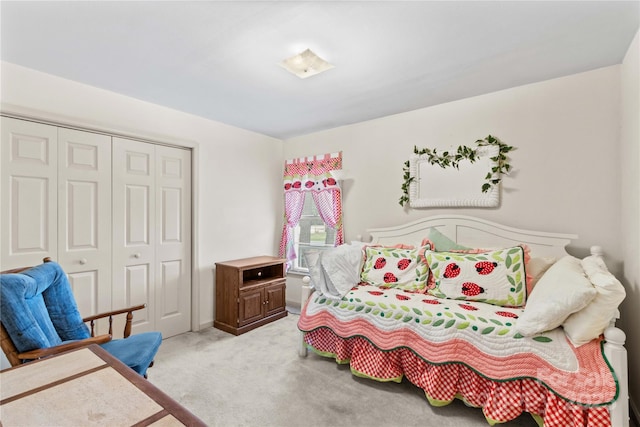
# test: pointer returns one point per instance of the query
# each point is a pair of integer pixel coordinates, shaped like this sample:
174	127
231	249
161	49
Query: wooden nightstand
250	292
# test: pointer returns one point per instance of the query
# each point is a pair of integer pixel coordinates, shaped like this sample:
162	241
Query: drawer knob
83	261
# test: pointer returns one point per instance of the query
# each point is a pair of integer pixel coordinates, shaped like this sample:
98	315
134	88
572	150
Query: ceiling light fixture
306	64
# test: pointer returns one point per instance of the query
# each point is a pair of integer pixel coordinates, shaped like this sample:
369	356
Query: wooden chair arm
50	351
113	313
110	314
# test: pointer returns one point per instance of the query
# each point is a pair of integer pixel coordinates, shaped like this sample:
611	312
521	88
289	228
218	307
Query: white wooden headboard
474	233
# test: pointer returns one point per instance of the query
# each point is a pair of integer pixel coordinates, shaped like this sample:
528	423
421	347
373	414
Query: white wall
238	174
565	178
629	161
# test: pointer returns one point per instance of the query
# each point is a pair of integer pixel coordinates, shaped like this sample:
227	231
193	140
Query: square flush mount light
306	64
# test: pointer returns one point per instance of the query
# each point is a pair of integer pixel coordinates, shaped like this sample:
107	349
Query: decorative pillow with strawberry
496	277
394	268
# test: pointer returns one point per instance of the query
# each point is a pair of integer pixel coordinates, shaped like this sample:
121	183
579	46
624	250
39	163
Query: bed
499	317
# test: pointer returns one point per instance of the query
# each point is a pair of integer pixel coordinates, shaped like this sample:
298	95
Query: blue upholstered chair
40	317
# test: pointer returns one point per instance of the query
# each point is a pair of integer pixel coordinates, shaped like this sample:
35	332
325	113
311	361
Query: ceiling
219	59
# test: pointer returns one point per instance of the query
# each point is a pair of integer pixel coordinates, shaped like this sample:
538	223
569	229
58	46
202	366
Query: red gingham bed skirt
501	401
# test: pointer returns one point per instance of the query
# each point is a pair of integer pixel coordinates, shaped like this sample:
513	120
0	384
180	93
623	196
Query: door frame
65	122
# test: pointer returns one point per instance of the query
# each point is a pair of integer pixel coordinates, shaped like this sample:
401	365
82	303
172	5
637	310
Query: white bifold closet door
152	231
115	213
56	193
84	217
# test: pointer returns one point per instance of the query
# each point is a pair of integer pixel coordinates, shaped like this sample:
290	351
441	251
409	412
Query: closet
115	213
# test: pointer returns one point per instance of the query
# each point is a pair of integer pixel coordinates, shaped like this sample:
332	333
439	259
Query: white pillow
334	271
536	267
561	291
589	323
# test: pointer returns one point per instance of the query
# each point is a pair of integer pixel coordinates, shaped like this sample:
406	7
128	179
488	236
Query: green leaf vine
453	159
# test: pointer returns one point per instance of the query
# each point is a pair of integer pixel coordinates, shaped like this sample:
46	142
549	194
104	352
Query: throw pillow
561	291
588	323
394	268
496	277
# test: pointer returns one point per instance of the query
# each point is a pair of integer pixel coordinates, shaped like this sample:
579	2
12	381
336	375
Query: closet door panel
171	275
85	289
137	284
28	193
84	219
134	225
173	250
30	212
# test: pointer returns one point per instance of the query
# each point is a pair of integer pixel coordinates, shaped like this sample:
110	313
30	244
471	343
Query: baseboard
206	325
294	304
634	413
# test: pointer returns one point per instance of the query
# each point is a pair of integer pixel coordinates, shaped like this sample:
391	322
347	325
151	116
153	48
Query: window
307	182
311	233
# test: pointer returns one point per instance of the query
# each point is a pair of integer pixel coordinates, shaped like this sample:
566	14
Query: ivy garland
453	159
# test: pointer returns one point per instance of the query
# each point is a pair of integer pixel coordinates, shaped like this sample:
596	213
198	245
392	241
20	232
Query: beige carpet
258	380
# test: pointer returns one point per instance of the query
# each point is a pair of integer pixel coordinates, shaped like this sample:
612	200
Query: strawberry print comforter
470	350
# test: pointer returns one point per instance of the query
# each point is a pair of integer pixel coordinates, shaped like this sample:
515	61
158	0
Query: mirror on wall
434	186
